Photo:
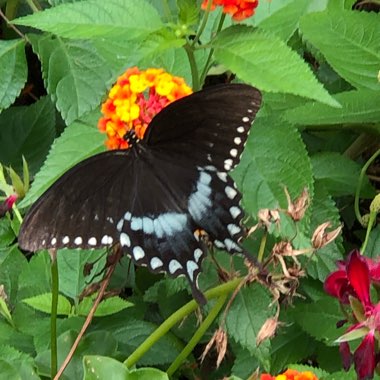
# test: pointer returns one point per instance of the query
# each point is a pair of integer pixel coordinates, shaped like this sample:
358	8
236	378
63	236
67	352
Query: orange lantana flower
135	99
291	374
238	9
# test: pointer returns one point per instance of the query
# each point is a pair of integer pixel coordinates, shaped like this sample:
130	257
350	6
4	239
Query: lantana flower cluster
290	374
135	99
351	285
238	9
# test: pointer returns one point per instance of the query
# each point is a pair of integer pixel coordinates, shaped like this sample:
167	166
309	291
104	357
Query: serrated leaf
253	55
29	131
373	246
250	309
319	319
71	262
284	22
108	306
350	42
13	71
290	345
43	302
95	18
358	107
99	367
323	262
23	362
75	74
244	364
76	143
339	174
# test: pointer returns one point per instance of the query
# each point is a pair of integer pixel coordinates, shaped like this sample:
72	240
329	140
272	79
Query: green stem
371	222
176	317
209	58
263	243
198	335
53	317
193	66
203	24
358	188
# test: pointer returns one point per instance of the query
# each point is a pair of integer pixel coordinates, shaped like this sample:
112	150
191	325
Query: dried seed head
267	331
220	340
296	210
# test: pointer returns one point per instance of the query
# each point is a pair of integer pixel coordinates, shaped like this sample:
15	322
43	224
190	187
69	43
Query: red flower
238	9
7	204
353	278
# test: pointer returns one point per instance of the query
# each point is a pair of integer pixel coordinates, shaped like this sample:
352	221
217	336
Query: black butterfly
159	197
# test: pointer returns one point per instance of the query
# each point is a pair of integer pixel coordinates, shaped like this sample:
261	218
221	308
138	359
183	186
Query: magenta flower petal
337	285
346	355
364	358
358	276
374	269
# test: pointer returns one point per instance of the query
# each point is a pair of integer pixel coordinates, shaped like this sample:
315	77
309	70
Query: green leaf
6	233
100	367
188	12
71	262
361	106
75	74
14	71
250	309
350	42
253	56
108	306
323	262
373	246
95	18
9	371
135	332
353	335
147	374
284	22
290	345
29	131
76	143
43	303
339	174
21	361
319	319
94	343
245	364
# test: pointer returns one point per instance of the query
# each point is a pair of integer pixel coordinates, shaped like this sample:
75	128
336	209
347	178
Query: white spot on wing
234	152
228	164
120	224
219	244
155	263
147	225
78	240
237	140
138	253
92	241
191	267
65	240
125	240
127	216
245	119
233	229
106	240
230	192
136	224
241	129
231	245
53	241
197	254
235	211
174	265
222	176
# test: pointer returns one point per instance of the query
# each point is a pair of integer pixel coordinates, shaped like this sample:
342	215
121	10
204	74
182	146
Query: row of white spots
228	244
78	240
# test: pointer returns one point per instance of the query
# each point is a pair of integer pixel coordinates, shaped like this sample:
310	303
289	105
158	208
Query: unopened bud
375	204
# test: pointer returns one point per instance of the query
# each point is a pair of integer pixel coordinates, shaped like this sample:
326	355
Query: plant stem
263	243
53	316
209	58
371	222
203	24
198	335
35	8
358	188
193	66
176	317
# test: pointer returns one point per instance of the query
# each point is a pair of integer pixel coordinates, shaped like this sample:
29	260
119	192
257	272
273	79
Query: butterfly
163	195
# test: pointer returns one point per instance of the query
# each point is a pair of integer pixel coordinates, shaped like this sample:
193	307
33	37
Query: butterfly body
157	196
